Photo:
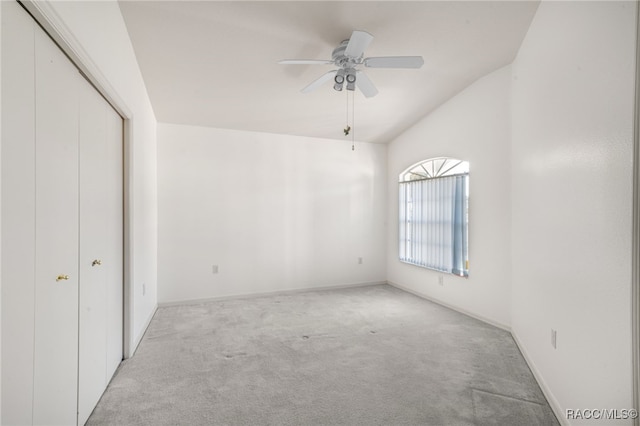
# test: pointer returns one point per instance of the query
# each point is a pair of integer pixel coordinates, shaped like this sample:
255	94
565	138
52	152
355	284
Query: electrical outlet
554	338
359	261
440	280
214	269
144	289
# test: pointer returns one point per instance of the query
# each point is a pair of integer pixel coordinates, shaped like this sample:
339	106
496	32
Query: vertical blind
433	223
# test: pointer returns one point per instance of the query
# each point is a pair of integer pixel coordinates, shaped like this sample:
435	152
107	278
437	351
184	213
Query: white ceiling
214	63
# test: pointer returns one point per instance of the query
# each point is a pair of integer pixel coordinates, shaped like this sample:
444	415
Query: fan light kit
347	57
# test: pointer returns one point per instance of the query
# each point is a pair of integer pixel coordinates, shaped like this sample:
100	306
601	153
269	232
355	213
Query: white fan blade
357	44
319	82
304	62
365	85
394	62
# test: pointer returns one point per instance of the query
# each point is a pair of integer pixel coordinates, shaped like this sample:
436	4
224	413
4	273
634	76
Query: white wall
573	87
274	212
99	27
472	126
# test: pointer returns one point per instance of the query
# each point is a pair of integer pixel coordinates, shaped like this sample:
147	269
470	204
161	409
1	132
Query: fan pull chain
350	129
353	121
347	128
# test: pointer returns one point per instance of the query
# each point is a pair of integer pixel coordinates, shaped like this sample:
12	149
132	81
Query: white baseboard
267	293
553	402
454	308
138	339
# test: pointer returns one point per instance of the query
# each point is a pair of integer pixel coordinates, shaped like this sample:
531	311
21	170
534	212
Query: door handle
62	277
96	262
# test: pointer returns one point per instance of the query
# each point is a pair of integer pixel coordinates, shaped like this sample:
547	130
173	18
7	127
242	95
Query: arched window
433	215
435	167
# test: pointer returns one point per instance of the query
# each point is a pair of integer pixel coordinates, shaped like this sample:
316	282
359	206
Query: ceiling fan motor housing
341	60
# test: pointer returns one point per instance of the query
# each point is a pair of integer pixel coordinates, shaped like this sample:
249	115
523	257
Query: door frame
54	26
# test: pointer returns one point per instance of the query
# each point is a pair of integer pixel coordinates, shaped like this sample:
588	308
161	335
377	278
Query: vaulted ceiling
214	63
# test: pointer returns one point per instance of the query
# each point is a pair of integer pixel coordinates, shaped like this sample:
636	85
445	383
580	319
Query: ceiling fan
347	57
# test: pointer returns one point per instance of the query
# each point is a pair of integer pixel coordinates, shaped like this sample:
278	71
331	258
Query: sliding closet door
114	194
56	238
92	347
18	213
101	248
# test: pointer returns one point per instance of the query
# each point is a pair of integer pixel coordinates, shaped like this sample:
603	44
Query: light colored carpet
360	356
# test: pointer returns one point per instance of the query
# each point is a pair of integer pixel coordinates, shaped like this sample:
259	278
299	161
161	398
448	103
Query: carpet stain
234	355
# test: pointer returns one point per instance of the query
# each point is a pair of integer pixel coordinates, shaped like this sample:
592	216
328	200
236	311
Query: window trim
447	250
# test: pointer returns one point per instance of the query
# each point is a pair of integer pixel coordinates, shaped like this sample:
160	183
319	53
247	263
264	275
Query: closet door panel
115	231
56	255
18	213
93	165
